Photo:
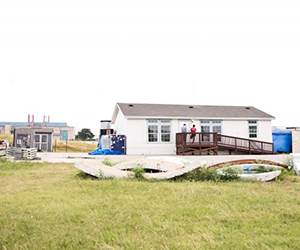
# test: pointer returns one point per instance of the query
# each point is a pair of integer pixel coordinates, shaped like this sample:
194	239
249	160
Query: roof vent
247	108
191	107
130	105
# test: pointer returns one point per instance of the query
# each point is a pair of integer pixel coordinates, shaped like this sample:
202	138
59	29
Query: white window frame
159	123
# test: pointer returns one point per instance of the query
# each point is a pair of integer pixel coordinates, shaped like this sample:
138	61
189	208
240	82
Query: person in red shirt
193	131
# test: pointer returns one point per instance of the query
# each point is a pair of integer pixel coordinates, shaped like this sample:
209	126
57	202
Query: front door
186	122
41	142
187	138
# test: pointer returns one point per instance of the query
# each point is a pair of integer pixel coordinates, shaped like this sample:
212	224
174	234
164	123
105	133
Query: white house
151	128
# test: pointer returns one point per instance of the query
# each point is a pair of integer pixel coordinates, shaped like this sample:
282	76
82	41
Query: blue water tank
282	140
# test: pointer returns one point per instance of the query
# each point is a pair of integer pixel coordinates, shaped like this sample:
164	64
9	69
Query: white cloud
74	60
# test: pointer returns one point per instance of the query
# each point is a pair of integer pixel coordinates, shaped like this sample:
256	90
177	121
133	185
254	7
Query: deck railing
244	144
196	139
211	139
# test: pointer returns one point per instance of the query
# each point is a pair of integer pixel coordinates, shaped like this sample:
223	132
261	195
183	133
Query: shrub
291	171
211	174
229	174
138	173
288	175
109	163
264	169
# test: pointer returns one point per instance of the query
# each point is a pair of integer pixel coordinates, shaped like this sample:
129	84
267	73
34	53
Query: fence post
249	147
200	140
235	146
66	145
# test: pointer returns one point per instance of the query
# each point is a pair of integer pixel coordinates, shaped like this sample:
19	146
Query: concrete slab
174	173
97	169
205	159
169	169
210	159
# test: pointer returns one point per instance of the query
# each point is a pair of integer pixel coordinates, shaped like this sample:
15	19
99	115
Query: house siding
240	128
265	131
137	139
136	134
120	125
235	128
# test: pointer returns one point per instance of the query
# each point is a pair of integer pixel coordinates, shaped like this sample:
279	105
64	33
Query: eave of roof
137	110
202	118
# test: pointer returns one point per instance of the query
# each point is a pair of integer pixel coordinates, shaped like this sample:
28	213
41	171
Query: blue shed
282	140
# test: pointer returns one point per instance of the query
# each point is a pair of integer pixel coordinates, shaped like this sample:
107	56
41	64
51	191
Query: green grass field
49	206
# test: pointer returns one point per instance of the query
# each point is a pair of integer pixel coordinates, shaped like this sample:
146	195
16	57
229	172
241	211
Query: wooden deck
210	143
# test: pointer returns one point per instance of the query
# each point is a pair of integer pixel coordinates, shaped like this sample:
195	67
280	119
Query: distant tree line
84	135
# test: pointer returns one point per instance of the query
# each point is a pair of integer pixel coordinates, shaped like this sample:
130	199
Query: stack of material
105	142
118	143
2	148
18	153
10	151
2	152
29	153
23	153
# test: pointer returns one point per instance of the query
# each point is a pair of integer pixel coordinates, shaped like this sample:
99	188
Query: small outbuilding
295	139
27	137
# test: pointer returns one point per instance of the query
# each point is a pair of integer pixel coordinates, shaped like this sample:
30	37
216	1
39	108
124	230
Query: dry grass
73	147
8	137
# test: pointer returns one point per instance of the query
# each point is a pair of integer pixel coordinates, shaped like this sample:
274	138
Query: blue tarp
114	151
282	140
99	151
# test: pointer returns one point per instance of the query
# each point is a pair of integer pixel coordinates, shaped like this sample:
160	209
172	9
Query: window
252	129
216	129
64	135
152	133
211	126
159	131
152	121
204	121
205	129
165	133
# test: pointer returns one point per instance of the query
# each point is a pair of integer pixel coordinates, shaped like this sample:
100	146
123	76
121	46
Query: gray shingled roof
190	111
